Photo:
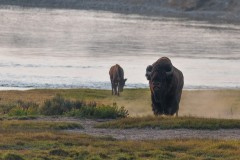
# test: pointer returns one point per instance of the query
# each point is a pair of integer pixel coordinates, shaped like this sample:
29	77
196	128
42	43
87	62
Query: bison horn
170	72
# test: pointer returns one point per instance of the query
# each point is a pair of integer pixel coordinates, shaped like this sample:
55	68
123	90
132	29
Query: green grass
201	103
28	117
55	144
23	137
172	123
36	140
59	105
28	125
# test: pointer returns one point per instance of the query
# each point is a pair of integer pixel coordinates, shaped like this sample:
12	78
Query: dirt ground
148	133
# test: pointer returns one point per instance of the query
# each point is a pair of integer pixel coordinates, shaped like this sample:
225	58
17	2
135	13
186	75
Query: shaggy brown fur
117	79
166	83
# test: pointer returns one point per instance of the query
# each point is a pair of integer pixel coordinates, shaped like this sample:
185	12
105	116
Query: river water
42	48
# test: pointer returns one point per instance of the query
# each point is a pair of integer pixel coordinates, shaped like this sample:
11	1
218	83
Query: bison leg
115	89
176	108
112	86
156	107
172	108
118	90
155	110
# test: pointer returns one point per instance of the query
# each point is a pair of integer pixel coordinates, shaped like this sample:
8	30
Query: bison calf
166	83
117	79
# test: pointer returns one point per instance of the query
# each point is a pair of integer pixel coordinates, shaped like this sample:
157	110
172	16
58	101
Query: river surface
51	48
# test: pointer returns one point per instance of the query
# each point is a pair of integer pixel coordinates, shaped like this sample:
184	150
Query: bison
117	79
166	83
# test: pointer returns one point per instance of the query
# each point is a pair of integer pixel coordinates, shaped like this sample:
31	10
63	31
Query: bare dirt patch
148	133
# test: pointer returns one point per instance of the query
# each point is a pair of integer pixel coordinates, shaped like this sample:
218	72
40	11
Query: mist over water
42	48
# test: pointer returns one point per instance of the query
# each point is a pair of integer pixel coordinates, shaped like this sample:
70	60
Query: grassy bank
27	125
201	103
42	143
43	140
172	123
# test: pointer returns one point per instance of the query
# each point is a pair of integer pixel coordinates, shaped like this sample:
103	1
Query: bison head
160	77
148	72
122	84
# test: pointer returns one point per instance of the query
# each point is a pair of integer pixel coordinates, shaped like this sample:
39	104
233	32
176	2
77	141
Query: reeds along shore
199	103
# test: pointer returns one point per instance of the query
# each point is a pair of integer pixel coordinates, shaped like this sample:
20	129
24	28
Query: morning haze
56	100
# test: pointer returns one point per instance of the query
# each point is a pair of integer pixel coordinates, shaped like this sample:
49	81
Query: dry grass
172	123
211	103
54	145
29	125
43	140
201	103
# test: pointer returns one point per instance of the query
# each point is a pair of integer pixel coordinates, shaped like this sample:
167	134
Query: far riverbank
220	11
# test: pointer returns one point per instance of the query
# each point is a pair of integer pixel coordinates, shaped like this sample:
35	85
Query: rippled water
42	48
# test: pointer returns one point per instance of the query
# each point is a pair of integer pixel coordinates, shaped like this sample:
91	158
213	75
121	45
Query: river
59	48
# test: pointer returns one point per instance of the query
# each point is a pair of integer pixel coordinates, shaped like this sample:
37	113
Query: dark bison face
159	80
148	72
122	84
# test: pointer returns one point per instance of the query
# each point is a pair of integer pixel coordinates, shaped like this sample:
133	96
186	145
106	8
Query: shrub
78	104
106	111
19	108
6	108
23	109
11	156
82	155
103	111
56	106
31	107
17	112
126	157
59	152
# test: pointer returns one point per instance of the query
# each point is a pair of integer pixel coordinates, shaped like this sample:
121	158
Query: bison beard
166	83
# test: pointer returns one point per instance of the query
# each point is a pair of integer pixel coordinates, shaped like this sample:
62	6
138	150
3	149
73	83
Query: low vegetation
103	111
172	123
59	105
24	137
200	103
11	156
23	143
28	125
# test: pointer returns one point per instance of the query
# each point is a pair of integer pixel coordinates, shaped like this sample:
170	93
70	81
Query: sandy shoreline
217	11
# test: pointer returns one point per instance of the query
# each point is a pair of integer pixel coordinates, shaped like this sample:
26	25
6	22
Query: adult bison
117	79
166	83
